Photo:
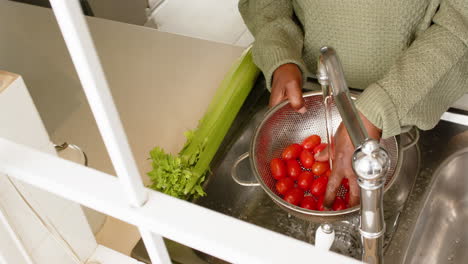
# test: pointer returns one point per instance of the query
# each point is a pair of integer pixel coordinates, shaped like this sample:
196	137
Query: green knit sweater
410	56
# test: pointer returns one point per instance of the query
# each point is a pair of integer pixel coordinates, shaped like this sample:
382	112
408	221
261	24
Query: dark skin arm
342	167
287	85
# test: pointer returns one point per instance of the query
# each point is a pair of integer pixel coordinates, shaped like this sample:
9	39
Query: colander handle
234	172
413	139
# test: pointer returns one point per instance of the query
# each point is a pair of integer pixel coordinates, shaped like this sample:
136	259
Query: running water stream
327	102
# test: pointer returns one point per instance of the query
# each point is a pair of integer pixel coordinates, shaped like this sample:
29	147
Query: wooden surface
6	78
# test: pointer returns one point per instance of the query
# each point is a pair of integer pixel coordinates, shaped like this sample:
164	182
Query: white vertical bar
81	48
83	53
154	246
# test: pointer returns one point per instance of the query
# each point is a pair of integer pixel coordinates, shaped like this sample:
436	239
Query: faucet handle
370	163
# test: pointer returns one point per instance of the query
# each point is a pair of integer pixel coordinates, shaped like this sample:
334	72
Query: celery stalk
182	175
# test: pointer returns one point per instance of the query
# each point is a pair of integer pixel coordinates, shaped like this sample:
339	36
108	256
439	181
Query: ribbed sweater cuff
376	105
279	57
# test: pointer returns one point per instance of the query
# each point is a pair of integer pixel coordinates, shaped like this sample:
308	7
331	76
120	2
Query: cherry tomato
311	142
284	185
305	180
292	152
309	202
320	147
339	204
293	168
294	196
328	173
345	183
346	198
319	186
307	159
278	168
320	206
319	168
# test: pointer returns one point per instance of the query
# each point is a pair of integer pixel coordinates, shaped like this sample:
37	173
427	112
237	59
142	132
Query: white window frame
125	197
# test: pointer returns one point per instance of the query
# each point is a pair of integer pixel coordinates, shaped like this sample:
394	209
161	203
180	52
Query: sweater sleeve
278	39
426	79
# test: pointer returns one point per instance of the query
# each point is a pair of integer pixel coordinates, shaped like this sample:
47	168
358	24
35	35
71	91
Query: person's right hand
287	84
343	151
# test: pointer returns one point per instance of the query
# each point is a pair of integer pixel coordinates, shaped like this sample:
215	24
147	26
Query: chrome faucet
370	160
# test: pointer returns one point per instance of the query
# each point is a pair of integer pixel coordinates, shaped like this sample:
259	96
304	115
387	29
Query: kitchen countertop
161	84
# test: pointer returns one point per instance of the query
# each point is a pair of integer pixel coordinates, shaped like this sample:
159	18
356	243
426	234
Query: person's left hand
342	166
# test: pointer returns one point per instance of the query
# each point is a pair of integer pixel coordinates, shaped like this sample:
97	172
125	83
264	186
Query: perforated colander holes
284	126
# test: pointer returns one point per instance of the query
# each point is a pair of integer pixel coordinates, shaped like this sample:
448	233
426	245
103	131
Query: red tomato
284	185
294	196
305	180
328	173
319	168
339	204
345	183
307	159
346	198
320	147
309	202
319	186
278	168
311	142
291	152
320	206
294	169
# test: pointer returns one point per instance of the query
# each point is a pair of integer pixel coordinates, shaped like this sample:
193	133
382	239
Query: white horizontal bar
455	118
195	226
81	48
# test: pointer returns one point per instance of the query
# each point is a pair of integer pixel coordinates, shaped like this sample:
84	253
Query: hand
343	152
287	84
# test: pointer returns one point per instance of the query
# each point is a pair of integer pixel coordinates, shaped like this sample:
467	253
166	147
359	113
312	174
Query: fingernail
302	110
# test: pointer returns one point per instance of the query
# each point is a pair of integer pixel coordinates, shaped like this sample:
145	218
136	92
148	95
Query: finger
278	95
322	155
332	188
294	94
354	191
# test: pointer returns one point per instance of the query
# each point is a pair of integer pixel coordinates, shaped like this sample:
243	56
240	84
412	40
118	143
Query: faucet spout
331	77
370	160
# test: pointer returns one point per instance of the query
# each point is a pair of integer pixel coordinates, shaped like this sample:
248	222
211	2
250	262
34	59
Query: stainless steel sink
402	203
441	235
433	223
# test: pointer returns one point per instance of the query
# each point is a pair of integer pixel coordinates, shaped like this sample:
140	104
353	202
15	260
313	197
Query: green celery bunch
182	175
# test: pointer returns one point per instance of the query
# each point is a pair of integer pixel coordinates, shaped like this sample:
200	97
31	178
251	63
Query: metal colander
283	126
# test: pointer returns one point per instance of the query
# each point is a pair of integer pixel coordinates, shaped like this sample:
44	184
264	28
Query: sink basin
440	234
253	205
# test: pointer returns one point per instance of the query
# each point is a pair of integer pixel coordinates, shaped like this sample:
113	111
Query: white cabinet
213	20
